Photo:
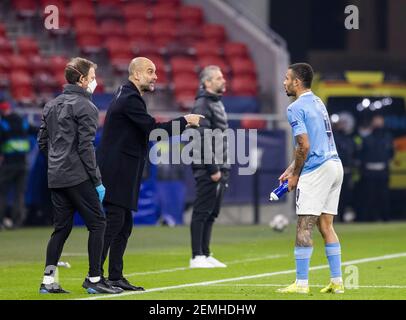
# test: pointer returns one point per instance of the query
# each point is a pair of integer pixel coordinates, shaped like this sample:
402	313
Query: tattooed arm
292	173
302	148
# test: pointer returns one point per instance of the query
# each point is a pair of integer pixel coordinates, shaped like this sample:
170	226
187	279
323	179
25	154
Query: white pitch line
255	276
311	285
275	256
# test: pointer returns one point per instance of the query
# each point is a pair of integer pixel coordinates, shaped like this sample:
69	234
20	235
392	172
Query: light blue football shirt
309	115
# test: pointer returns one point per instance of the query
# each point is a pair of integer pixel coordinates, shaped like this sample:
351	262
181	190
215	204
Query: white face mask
92	86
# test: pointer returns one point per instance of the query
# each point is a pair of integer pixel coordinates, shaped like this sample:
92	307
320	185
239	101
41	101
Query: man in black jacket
122	156
14	147
211	178
66	136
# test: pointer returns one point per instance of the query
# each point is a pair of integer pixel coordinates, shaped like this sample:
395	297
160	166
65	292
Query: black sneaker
125	285
100	287
51	288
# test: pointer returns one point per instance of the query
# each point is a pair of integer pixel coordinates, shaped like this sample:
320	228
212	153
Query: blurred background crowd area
360	76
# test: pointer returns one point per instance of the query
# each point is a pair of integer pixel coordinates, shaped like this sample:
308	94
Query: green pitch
259	261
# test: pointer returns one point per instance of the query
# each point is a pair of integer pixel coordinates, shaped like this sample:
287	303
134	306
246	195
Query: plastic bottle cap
273	197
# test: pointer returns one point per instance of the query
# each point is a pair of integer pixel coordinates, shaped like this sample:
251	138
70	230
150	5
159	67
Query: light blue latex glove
101	190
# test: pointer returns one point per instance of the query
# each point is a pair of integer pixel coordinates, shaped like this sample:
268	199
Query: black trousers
84	199
13	177
375	198
118	230
206	208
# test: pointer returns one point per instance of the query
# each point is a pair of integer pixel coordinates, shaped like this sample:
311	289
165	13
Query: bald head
142	72
139	64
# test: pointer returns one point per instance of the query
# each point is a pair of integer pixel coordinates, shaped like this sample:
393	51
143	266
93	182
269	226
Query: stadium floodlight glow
377	104
387	101
366	102
335	118
360	107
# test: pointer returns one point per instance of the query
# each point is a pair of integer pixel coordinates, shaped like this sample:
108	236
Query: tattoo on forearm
304	230
300	155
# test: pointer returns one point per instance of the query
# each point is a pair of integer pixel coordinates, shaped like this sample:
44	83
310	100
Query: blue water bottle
279	191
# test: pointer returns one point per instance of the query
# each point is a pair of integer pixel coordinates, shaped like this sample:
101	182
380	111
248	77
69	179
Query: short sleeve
296	118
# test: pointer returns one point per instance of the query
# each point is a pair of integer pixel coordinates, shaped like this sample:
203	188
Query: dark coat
215	117
124	145
66	135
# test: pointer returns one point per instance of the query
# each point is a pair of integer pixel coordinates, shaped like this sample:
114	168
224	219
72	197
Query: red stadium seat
25	8
21	87
137	28
120	60
183	65
189	35
145	47
235	49
2	30
168	3
244	86
185	99
111	10
117	44
23	94
163	32
185	82
4	63
242	66
60	4
38	64
82	9
253	122
191	15
27	46
89	43
57	65
109	2
6	46
163	12
215	33
44	82
86	26
60	80
212	60
135	11
111	28
18	63
203	49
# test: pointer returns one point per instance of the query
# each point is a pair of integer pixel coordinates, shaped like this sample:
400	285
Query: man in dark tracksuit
211	178
14	147
121	157
66	136
375	154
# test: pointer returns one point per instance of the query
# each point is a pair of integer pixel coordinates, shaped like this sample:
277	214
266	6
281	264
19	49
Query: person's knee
200	216
326	229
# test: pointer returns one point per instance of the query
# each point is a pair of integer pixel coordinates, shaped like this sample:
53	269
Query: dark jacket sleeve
136	112
42	137
87	119
205	123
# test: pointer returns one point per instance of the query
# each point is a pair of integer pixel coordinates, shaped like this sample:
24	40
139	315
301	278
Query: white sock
337	280
48	280
302	282
94	279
